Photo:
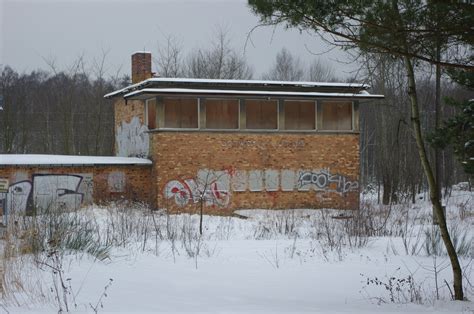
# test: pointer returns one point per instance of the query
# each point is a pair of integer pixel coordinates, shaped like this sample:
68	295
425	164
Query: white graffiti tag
322	180
132	139
50	191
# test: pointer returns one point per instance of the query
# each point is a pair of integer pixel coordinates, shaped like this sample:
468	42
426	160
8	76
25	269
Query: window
151	113
181	113
261	114
222	113
336	115
300	115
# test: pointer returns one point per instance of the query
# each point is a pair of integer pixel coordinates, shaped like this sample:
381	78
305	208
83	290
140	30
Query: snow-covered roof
231	83
137	93
34	159
256	82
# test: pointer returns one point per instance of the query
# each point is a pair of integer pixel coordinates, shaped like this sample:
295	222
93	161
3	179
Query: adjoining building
38	183
234	144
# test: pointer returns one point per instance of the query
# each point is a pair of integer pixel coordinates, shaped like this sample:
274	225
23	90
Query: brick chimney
141	66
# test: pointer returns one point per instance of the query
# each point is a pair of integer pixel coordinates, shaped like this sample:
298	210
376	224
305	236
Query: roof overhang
242	87
151	92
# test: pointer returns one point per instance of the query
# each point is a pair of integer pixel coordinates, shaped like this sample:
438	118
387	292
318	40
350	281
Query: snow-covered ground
273	262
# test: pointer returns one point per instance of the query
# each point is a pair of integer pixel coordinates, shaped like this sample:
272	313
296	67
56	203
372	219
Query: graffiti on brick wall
18	195
50	191
116	181
323	180
132	139
215	187
209	187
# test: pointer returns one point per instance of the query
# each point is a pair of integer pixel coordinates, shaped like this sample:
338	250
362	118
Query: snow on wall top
236	82
33	159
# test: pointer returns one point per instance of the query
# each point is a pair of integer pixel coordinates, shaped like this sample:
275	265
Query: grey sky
31	30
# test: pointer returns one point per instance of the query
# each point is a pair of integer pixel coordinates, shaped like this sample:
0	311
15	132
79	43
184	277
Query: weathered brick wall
131	137
77	185
125	112
255	170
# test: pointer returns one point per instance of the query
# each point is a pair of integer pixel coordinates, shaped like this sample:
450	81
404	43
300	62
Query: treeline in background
64	112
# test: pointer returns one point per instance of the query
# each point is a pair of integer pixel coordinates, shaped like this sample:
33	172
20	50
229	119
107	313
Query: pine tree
407	30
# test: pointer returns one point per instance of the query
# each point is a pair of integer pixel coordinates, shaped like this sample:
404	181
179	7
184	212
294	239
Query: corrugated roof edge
221	81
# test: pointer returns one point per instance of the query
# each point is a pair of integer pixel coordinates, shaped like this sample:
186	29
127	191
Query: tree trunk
437	151
200	215
387	190
434	195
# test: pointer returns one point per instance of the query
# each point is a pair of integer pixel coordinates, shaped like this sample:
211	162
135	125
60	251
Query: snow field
382	259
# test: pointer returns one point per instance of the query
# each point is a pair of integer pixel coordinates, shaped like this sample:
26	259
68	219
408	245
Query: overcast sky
34	30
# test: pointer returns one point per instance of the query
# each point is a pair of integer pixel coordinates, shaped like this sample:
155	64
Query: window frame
182	129
277	102
315	103
204	99
319	121
147	117
243	113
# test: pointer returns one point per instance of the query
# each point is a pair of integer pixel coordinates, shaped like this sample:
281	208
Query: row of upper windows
257	114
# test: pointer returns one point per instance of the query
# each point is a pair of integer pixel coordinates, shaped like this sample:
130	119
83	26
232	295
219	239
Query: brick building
233	144
225	144
42	182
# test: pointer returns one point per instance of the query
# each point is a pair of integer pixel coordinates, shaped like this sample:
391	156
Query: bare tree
320	72
61	112
285	68
170	58
8	116
220	61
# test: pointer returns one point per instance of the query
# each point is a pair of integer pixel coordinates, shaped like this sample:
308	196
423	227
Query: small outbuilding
38	183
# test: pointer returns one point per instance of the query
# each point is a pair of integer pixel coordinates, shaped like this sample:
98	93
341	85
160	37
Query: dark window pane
299	115
151	113
222	113
261	114
336	115
181	112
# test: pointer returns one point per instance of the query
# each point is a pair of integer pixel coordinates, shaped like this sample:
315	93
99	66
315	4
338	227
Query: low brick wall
255	170
75	186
